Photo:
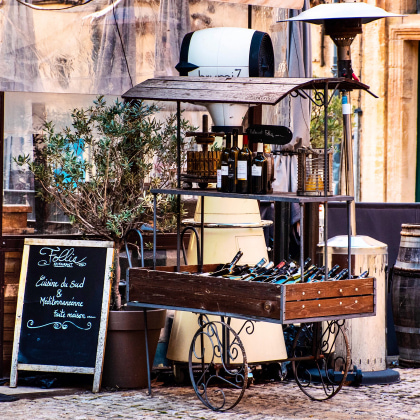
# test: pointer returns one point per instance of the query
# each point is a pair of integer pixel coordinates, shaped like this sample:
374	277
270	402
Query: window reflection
24	117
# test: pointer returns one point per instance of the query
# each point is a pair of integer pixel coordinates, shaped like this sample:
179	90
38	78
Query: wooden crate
307	302
15	219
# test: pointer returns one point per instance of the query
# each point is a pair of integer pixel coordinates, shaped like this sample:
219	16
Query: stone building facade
385	57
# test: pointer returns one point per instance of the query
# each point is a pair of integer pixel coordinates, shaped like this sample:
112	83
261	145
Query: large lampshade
361	11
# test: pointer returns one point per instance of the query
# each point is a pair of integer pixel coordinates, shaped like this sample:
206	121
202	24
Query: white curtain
174	23
19	57
116	64
299	64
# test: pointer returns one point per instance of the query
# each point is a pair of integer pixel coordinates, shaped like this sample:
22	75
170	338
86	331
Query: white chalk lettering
60	258
44	282
76	315
59	314
51	300
80	285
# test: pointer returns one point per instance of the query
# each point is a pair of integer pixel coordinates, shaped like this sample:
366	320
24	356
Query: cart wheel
321	359
203	185
218	366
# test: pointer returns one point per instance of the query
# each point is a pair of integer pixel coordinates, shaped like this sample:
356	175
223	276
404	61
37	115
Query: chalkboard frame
103	323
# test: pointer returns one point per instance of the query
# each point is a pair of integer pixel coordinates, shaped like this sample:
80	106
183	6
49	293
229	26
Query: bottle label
231	169
242	172
219	178
224	170
256	170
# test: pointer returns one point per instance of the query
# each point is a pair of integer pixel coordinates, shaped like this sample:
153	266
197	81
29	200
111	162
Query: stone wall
385	57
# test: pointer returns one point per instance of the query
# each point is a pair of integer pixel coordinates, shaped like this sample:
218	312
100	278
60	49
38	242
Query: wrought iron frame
330	384
218	379
220	385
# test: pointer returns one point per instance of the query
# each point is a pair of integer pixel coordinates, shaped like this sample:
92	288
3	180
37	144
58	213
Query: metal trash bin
367	335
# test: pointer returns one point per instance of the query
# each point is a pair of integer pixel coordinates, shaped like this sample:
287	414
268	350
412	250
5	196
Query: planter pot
125	351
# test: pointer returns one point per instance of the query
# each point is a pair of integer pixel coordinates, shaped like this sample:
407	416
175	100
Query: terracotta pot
125	351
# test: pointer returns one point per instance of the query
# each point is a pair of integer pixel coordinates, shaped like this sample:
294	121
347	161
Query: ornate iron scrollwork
319	369
218	365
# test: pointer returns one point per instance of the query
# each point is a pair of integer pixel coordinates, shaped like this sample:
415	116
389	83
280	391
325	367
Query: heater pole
347	158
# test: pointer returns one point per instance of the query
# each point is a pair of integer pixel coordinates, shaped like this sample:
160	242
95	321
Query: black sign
269	134
62	311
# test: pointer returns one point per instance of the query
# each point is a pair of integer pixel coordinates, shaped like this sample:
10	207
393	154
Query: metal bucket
406	296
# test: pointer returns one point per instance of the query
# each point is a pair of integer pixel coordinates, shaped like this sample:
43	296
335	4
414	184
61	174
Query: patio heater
367	337
343	22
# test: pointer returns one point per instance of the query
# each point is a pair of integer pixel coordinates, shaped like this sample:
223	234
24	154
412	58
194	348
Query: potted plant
100	171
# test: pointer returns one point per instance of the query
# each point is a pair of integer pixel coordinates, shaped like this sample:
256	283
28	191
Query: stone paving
272	400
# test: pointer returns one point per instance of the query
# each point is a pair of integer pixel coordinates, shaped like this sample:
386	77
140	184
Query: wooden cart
320	353
319	309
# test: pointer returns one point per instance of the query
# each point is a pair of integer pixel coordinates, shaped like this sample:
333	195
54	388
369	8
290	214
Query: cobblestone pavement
275	400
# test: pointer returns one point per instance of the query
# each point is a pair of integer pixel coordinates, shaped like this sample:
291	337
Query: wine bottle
243	173
341	275
333	272
233	162
363	275
259	172
219	167
257	271
228	268
309	272
292	269
238	271
224	165
299	278
274	272
306	264
317	275
262	273
248	271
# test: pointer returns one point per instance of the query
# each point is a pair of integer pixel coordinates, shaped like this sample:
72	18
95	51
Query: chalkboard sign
269	134
62	310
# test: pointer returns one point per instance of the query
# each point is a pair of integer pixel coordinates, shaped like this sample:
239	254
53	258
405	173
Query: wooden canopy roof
243	90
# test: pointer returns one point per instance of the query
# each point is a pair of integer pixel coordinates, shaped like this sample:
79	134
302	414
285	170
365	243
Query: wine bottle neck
235	138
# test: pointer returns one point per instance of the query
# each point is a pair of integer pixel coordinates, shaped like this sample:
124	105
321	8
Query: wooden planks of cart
320	354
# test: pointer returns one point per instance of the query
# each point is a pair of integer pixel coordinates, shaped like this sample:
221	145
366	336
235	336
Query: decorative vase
125	351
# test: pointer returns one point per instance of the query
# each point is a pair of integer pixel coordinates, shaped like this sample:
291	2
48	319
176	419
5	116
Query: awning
243	90
285	4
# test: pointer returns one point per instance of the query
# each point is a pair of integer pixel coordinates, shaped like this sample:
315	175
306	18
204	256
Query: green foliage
100	169
335	123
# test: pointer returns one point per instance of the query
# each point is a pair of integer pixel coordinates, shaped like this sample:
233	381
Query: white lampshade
365	12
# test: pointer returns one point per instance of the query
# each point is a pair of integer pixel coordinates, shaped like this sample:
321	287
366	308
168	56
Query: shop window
25	114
